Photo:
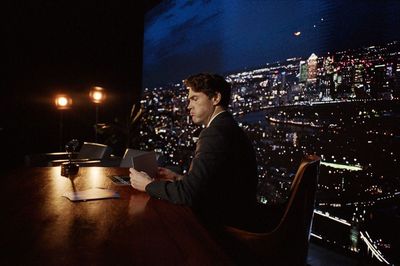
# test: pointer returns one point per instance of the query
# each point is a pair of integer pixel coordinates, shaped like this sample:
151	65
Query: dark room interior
53	48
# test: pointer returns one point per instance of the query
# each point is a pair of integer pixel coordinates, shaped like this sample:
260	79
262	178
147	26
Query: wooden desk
40	227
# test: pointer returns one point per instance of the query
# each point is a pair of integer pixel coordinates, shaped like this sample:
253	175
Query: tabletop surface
41	227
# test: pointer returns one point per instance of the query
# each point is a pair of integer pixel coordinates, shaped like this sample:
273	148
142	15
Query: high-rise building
303	72
326	77
378	81
312	68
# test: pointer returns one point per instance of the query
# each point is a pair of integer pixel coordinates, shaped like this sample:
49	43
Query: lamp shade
63	102
97	94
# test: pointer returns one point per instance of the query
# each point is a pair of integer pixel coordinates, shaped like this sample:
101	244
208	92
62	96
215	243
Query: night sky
184	37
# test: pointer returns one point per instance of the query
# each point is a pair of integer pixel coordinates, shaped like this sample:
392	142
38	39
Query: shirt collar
212	118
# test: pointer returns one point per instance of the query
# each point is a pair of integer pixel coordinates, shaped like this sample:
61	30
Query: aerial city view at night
343	106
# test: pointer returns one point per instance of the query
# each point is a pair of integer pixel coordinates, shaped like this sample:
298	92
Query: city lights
327	105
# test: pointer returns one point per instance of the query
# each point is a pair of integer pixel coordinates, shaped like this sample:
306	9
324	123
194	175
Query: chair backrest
94	151
295	225
287	243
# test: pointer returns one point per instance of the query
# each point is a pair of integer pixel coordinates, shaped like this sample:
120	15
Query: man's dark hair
210	84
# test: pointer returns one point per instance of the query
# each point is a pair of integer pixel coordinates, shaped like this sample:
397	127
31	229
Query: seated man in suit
220	185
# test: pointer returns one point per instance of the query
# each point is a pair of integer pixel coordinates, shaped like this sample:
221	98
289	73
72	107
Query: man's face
201	107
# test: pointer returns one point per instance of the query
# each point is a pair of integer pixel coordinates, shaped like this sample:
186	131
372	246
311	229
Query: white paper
91	194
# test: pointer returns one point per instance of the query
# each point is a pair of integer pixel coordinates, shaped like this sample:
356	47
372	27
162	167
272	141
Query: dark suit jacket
221	183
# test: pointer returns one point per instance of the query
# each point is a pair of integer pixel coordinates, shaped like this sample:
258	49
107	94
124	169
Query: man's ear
216	98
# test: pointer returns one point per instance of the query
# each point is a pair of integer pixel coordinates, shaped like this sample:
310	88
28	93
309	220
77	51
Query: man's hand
139	180
165	173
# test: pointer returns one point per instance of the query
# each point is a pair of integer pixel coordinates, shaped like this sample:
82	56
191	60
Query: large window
307	76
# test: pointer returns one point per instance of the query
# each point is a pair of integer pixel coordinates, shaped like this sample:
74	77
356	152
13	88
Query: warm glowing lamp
97	95
63	102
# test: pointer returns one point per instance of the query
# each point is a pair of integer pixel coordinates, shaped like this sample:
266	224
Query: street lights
62	102
97	95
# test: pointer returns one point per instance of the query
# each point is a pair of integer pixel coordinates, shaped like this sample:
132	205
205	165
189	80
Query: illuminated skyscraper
378	81
303	72
397	79
312	68
326	77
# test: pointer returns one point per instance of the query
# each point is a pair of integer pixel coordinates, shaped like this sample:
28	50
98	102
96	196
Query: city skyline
220	36
350	73
287	114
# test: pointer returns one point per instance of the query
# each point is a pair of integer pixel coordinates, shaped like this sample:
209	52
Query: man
220	185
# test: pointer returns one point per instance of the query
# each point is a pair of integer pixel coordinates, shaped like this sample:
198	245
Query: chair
94	151
287	243
90	154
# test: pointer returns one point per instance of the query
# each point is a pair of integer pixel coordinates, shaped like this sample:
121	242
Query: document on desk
91	194
145	161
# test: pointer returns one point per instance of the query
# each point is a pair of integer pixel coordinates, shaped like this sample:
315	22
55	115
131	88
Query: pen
132	162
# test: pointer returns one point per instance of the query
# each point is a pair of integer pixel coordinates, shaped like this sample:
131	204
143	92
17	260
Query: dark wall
66	46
